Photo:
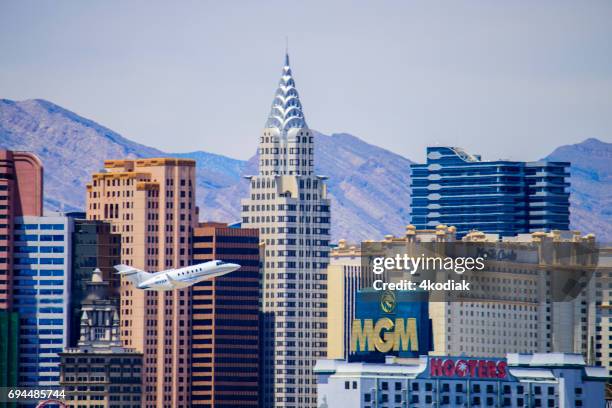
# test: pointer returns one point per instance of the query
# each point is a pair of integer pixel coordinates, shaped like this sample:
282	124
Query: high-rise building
344	279
93	246
500	197
41	295
9	350
99	372
225	320
21	193
600	343
288	204
151	203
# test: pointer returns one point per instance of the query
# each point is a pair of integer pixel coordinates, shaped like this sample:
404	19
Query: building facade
346	274
99	372
9	349
225	320
42	256
288	204
500	197
601	318
521	380
21	193
93	246
151	203
517	313
344	279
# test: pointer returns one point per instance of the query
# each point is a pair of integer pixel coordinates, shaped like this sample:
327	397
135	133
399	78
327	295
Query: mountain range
369	186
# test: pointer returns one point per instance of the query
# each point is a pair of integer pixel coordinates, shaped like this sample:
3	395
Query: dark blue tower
500	197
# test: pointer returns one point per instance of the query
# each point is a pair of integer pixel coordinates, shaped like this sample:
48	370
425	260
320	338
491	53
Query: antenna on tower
287	50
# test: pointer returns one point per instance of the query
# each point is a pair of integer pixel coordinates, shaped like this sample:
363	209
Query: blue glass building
499	197
41	293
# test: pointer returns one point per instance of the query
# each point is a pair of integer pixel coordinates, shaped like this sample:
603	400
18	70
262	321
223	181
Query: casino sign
390	322
467	368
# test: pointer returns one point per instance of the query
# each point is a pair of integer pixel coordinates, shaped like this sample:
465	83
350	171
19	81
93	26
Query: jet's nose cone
231	267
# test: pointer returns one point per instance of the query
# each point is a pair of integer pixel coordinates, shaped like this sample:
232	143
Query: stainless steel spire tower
289	206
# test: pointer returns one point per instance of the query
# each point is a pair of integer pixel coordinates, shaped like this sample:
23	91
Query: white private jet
175	278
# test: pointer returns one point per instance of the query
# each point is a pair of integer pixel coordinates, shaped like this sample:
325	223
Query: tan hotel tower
289	206
151	203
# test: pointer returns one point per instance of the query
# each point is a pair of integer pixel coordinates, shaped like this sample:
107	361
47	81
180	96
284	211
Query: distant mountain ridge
591	185
369	186
365	180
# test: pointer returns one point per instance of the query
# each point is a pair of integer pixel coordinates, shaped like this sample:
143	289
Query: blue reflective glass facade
41	293
499	197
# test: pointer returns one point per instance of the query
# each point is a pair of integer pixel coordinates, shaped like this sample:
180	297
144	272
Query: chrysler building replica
289	206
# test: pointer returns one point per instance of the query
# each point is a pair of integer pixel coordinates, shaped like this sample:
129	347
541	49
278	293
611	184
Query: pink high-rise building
21	193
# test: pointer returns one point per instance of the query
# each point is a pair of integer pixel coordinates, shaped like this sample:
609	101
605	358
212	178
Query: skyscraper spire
287	50
286	111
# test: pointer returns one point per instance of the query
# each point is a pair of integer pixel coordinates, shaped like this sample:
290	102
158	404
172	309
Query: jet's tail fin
136	276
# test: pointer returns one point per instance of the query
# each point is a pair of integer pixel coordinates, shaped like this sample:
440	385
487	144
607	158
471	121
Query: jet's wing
176	283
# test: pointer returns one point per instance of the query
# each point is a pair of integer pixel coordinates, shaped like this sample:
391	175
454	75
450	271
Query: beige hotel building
517	315
151	203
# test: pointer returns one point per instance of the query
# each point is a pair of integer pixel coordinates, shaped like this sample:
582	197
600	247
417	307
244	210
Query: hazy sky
510	79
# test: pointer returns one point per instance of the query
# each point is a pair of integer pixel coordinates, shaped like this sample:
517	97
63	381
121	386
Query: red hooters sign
468	368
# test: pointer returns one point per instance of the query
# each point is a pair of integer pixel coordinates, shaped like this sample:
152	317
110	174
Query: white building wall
362	385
